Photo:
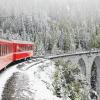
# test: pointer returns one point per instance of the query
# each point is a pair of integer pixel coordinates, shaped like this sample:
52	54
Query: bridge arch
95	75
82	65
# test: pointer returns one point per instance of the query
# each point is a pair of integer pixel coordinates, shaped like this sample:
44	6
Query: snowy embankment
38	81
4	76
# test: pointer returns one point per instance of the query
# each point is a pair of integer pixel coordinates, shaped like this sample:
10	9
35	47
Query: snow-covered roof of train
17	41
22	42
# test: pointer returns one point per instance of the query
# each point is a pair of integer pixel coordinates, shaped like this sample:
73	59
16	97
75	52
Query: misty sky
28	5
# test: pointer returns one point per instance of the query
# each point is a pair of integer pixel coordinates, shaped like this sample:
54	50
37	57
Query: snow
4	76
40	80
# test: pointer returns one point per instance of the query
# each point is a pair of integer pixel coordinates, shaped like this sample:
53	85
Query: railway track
30	63
72	54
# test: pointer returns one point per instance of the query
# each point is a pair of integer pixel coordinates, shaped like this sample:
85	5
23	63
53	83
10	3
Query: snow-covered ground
41	75
4	76
40	79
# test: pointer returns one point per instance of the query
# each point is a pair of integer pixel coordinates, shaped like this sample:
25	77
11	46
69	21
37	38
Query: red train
11	51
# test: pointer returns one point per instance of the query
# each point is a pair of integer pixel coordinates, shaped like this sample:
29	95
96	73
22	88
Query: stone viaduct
89	61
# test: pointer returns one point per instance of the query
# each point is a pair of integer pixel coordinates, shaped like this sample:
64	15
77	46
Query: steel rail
72	54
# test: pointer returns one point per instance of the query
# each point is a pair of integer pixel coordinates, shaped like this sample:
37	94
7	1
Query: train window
25	48
30	47
3	50
7	49
0	49
20	48
11	48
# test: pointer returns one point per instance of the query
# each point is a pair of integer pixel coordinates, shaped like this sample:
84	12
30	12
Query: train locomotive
11	51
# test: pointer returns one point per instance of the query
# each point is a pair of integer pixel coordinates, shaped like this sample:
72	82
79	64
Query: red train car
14	50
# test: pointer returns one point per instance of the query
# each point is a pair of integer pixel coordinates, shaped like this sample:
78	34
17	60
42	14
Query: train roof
22	42
8	41
16	41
